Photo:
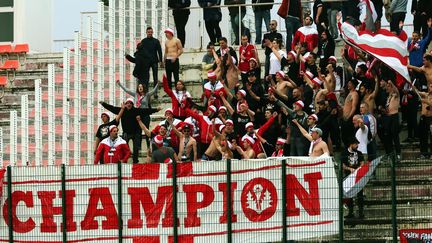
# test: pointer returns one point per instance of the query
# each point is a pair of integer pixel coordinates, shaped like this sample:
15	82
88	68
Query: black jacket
263	7
150	51
178	6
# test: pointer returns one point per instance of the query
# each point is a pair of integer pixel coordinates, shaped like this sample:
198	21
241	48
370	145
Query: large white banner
92	202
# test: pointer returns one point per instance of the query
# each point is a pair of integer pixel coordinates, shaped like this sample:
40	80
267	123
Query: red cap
299	103
169	30
158	140
112	127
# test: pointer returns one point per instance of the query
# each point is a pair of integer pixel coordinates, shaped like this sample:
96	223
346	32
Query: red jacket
306	34
179	100
113	151
173	137
257	148
248	53
206	125
212	93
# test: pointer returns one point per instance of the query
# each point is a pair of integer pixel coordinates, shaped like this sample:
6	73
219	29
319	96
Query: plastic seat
21	51
10	66
3	83
5	49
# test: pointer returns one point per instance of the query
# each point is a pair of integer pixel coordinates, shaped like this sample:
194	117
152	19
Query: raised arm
143	127
109	107
151	92
227	105
120	114
129	91
302	130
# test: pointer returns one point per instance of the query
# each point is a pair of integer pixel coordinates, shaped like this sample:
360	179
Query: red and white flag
357	180
384	45
2	173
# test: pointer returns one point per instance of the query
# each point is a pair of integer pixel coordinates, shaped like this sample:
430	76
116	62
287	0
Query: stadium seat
10	66
5	50
21	51
3	82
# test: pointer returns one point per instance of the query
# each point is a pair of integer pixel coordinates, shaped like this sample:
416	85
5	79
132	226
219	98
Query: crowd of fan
305	103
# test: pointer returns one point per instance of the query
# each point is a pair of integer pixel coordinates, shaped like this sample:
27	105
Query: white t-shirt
362	137
275	65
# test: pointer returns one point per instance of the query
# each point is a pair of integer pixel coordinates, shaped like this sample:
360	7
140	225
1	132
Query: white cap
299	103
249	124
248	138
169	30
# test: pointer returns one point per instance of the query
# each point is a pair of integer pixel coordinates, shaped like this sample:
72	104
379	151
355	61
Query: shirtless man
317	147
248	152
281	87
426	69
173	50
425	122
220	147
188	145
349	109
391	120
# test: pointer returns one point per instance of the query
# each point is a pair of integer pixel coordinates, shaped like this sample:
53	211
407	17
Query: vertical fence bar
101	55
13	137
174	192
284	202
229	199
340	190
63	190
24	130
51	114
122	49
9	201
77	99
1	147
38	122
120	202
393	197
90	93
112	48
66	105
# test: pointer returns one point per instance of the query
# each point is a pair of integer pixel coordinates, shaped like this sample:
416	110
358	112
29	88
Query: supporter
195	128
212	89
267	39
352	159
307	34
220	146
422	11
257	135
273	131
368	94
426	69
130	126
173	50
311	91
282	86
409	108
337	74
318	147
291	62
170	140
236	18
326	48
279	151
378	5
152	54
320	15
188	146
212	17
417	47
180	98
255	66
349	109
361	134
246	52
327	120
112	149
207	63
225	53
103	129
222	114
254	92
248	152
391	121
371	122
242	114
425	123
293	21
139	61
333	8
350	10
274	63
261	12
161	153
181	14
398	10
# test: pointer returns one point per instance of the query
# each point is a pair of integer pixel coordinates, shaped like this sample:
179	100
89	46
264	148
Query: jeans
331	13
172	68
292	24
394	23
235	25
213	30
425	135
391	134
146	74
136	142
180	20
261	15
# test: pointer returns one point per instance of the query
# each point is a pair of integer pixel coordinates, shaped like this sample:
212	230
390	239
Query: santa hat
248	138
313	116
169	30
221	128
317	81
332	58
212	108
158	140
299	103
129	100
253	59
309	75
106	114
249	124
222	108
211	74
280	73
280	141
230	122
112	127
242	92
169	110
306	55
293	54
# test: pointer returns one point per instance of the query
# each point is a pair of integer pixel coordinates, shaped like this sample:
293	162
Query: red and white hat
212	108
170	31
112	127
158	140
317	81
248	138
168	110
293	54
106	114
299	103
280	73
309	75
270	89
242	92
222	108
131	100
248	125
253	59
332	58
314	116
280	141
306	55
230	122
211	74
221	128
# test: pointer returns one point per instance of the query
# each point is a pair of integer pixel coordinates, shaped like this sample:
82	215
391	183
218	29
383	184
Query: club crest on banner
259	199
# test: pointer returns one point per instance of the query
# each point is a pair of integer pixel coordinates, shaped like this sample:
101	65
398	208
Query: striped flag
357	180
383	45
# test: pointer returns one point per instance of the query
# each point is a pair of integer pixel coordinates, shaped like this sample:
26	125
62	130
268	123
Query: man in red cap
212	89
113	149
173	50
161	153
169	123
246	52
279	152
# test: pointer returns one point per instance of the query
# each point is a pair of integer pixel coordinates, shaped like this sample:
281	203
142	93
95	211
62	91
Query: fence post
9	193
393	196
63	190
120	203
229	199
341	216
284	202
174	192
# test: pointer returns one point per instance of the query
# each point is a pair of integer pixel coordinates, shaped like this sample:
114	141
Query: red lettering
223	188
108	210
192	204
152	210
48	211
19	226
309	201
